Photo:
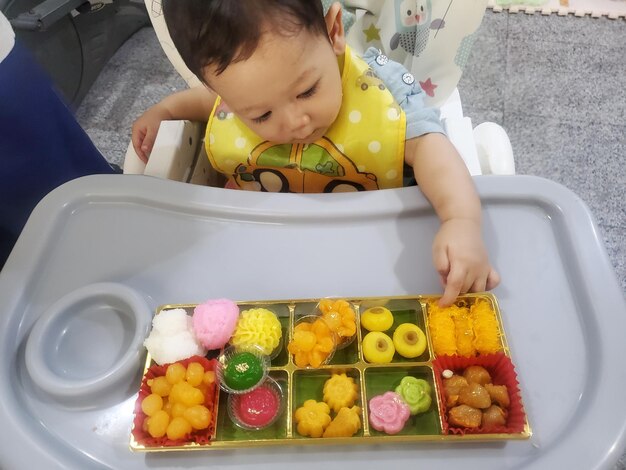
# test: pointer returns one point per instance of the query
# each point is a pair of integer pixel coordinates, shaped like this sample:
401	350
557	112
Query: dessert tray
352	359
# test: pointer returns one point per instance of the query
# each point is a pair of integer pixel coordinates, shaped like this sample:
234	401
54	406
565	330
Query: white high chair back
155	11
431	38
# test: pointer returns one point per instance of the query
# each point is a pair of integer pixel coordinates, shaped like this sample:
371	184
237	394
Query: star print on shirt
428	87
372	33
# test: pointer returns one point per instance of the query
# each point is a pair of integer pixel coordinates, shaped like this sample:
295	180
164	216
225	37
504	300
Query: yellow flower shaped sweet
346	423
312	418
260	327
340	391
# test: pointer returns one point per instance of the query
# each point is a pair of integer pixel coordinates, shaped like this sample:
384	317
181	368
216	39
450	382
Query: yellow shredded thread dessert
441	326
464	329
464	333
486	330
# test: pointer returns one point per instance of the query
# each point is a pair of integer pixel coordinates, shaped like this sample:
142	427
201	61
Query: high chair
442	37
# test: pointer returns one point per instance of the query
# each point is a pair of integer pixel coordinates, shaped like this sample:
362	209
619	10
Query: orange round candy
160	386
178	428
175	373
158	423
151	404
209	377
177	410
195	374
198	416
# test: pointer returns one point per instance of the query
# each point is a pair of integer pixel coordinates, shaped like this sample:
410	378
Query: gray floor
556	84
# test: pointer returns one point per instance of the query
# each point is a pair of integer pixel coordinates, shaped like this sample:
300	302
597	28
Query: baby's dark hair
220	32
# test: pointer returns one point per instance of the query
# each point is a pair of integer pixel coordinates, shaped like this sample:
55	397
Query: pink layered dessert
214	322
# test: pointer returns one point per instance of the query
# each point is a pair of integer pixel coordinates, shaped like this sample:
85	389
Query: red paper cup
502	372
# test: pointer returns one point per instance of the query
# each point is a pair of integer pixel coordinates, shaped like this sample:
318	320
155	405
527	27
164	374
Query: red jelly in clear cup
258	408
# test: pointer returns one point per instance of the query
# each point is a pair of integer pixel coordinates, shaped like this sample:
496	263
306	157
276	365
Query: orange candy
305	340
340	316
176	404
312	343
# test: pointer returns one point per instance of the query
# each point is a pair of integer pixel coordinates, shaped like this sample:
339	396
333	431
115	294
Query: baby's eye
262	118
310	92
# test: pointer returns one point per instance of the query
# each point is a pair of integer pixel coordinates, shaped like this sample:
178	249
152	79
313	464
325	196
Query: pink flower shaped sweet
388	413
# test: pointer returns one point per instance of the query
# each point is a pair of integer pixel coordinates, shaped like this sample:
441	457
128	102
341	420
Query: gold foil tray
372	379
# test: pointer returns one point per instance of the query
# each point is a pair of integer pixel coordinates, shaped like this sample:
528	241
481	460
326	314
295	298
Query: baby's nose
300	122
296	118
299	126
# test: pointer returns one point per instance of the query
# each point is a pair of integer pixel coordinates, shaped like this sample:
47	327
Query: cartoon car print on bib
297	168
369	79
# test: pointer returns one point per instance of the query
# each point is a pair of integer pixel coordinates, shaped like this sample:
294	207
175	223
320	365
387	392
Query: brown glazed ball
475	395
452	388
477	374
464	416
493	416
499	394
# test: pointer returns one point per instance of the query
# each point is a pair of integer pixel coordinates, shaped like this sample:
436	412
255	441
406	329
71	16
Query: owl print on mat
413	25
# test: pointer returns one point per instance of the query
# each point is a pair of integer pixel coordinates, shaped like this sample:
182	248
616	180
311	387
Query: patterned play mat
611	8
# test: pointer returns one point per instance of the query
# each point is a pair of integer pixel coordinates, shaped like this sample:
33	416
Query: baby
290	108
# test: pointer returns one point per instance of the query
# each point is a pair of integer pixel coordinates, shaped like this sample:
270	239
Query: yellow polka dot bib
362	150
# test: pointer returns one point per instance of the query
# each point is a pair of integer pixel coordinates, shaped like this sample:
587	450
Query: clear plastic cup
334	319
308	349
241	369
259	408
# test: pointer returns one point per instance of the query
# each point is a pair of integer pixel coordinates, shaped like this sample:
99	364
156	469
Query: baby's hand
144	130
461	259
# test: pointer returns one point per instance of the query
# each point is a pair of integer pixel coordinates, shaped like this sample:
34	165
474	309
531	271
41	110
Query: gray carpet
556	84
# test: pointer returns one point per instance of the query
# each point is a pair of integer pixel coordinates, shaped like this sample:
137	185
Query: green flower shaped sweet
415	393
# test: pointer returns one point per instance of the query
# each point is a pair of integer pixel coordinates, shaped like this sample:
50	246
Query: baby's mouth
312	137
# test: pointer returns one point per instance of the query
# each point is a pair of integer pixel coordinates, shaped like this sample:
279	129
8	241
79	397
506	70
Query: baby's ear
334	26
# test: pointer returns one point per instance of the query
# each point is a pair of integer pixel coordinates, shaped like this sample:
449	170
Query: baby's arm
459	254
194	104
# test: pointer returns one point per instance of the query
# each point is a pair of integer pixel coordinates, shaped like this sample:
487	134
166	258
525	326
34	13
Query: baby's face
288	91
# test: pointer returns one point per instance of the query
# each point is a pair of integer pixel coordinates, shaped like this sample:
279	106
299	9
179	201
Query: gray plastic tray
563	310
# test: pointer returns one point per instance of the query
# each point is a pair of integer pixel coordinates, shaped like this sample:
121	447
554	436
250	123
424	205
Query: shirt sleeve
420	119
